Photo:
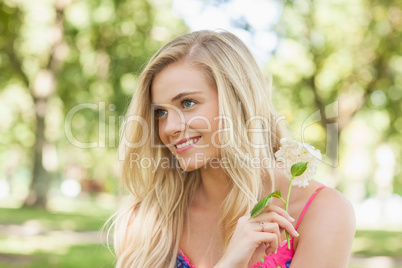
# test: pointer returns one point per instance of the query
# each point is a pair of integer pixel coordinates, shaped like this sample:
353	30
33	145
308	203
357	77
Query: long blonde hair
148	227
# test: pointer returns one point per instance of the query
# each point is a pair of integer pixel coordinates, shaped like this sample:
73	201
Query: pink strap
187	260
308	204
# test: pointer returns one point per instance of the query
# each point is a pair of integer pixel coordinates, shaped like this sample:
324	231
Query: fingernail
276	251
297	234
291	219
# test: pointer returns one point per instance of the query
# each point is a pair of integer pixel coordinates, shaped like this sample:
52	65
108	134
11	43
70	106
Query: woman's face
185	105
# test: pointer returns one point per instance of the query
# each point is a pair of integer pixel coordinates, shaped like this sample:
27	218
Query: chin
189	164
186	167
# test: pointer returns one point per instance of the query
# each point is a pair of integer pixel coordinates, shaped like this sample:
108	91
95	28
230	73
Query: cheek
202	124
214	125
215	133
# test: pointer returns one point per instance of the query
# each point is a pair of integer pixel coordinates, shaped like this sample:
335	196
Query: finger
270	250
270	227
279	210
271	240
280	220
275	238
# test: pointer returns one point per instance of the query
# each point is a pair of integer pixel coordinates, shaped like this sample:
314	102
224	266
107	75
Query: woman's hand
254	238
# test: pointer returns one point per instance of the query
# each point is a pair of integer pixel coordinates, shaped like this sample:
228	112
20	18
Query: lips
186	144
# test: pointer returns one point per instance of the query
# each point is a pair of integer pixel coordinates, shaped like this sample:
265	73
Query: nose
175	123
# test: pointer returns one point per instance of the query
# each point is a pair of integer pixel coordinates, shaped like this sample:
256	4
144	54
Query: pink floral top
281	259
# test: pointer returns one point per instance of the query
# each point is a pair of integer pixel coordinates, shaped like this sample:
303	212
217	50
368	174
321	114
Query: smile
183	146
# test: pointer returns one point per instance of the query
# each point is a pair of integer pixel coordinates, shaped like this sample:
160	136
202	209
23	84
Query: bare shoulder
327	230
331	197
330	210
330	205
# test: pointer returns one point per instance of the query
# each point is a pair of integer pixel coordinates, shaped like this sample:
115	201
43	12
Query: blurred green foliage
77	58
343	59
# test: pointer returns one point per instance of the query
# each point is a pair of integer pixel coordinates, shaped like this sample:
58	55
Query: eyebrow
179	96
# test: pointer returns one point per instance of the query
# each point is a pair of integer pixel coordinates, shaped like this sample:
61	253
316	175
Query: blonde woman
198	153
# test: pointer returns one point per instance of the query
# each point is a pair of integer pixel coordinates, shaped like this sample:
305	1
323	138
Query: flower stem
287	206
284	202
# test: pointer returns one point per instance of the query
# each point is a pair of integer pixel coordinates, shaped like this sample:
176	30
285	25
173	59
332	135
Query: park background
68	69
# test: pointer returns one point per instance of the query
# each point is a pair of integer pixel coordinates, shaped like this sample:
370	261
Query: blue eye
187	103
159	113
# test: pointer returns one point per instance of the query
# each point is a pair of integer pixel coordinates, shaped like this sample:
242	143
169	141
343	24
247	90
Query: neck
213	188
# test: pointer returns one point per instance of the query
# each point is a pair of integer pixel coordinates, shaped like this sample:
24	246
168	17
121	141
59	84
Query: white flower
292	152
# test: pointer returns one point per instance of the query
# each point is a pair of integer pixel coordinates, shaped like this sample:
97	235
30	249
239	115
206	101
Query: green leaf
263	203
298	168
277	194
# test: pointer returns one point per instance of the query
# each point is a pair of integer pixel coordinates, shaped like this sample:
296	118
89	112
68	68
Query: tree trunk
42	89
39	187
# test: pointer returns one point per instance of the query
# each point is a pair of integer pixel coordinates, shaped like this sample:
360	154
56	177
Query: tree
336	63
346	52
65	53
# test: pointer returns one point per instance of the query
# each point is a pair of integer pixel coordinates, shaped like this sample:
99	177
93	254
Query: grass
52	239
53	245
53	220
76	256
370	243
